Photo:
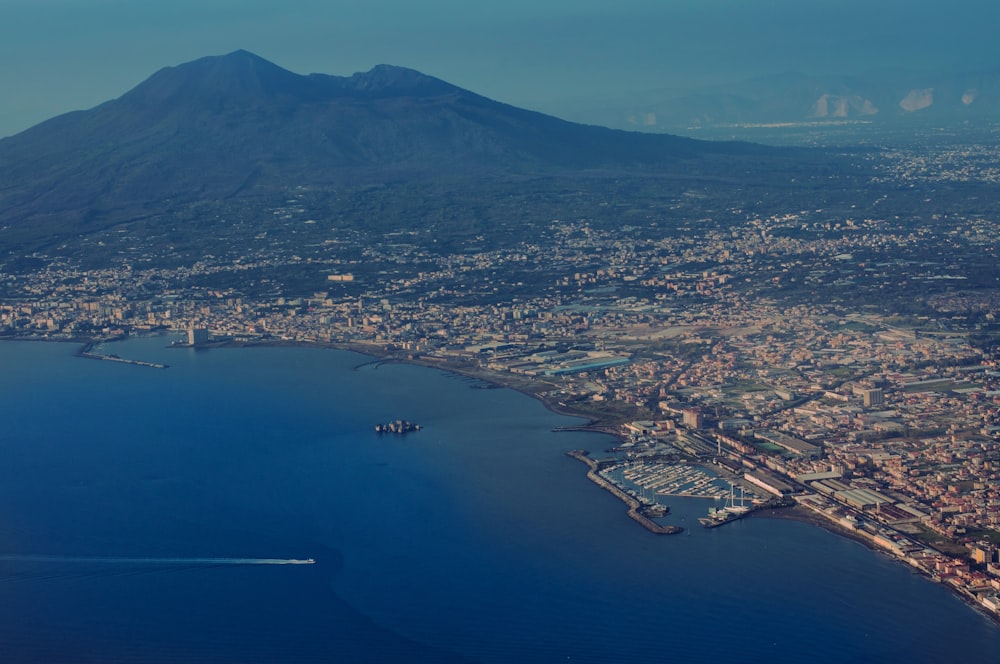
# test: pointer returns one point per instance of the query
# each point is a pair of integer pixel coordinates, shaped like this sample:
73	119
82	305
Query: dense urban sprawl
846	359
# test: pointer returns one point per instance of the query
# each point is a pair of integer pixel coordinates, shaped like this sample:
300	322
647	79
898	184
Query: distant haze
557	56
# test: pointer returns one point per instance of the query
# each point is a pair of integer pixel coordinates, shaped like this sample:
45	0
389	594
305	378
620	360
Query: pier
733	512
85	351
115	358
714	521
635	508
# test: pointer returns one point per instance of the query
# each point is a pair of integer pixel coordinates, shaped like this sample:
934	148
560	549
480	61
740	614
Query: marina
669	479
645	480
640	507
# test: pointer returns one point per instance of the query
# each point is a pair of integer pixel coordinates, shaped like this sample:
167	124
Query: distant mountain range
890	98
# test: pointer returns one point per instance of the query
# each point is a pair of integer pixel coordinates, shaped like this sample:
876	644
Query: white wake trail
118	560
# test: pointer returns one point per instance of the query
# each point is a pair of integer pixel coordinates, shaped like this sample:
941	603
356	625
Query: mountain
237	125
219	155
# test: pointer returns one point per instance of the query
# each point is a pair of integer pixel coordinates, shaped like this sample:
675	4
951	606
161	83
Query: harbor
680	480
651	479
639	511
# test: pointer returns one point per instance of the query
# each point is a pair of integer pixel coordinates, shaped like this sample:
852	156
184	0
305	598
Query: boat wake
117	560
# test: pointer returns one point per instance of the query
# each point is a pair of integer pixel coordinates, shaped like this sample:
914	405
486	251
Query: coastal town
842	361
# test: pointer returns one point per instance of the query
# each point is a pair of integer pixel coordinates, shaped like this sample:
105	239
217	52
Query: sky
549	55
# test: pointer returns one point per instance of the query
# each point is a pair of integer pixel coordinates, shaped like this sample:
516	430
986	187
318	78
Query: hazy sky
62	55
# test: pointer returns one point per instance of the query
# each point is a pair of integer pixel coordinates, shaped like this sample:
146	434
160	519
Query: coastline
805	515
612	427
382	355
524	386
578	535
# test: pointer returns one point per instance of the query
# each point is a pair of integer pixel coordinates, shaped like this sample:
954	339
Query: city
845	359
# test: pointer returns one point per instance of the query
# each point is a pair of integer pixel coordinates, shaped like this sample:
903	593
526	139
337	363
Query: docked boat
731	512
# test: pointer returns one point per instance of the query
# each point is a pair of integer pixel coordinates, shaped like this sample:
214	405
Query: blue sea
127	493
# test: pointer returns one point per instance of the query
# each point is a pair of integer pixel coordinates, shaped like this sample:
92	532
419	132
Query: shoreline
381	355
805	515
491	378
612	428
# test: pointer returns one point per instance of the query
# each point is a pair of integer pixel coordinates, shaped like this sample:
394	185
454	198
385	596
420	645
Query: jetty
713	521
636	510
115	358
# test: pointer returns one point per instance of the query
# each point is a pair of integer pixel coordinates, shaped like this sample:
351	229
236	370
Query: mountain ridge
237	125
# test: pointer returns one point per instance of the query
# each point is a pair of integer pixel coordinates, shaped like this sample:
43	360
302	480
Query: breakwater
86	351
115	358
634	506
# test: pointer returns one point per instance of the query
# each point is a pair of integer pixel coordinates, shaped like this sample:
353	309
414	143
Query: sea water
474	539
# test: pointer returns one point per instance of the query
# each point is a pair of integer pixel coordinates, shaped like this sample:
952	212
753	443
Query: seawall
634	505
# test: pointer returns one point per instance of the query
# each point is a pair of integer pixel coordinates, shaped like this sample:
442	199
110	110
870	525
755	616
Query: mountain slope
199	157
233	125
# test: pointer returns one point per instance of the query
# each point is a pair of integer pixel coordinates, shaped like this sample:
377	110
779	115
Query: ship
655	509
399	426
731	512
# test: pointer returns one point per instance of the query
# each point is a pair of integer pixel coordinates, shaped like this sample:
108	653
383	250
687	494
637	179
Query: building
197	335
873	397
692	418
789	443
769	482
983	554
